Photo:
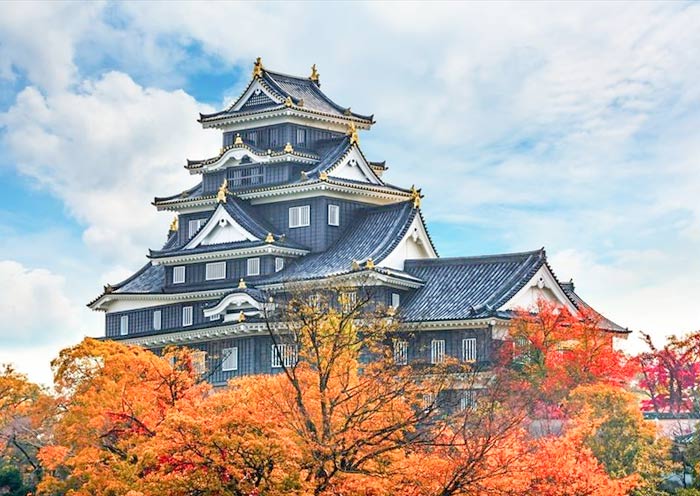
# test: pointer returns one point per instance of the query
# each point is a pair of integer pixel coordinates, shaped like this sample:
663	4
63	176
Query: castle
291	200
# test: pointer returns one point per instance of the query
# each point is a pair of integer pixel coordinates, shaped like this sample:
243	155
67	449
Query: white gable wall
415	244
354	167
542	285
220	228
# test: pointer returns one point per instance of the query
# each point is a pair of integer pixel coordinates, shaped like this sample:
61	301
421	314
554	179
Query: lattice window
186	316
253	268
469	350
300	216
284	354
468	400
179	274
245	176
333	215
124	325
395	300
193	226
229	359
157	320
437	351
199	361
257	98
215	270
279	264
400	352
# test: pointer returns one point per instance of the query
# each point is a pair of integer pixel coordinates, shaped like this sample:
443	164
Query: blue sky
572	126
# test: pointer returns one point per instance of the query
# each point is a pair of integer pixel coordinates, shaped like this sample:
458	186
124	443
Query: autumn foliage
343	419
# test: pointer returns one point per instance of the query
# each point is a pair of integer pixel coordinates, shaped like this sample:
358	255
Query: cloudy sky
570	126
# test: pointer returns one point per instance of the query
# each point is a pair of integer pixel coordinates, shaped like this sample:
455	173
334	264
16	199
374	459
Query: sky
573	126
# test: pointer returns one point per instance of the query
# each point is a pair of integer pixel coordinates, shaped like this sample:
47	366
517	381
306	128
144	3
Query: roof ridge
477	258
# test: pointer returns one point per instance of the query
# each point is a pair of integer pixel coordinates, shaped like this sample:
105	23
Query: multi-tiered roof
292	189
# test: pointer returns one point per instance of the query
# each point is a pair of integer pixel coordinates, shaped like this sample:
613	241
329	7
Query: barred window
215	270
469	350
301	136
157	317
395	300
284	354
300	216
229	359
467	400
199	361
333	215
279	264
124	325
186	316
245	176
253	268
400	352
437	351
193	226
179	274
348	301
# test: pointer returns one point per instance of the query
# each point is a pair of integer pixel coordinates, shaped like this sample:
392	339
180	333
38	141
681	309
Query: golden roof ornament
108	288
241	284
288	101
355	265
323	176
288	148
223	191
369	264
269	238
415	196
257	67
300	102
352	132
241	316
314	75
174	225
238	140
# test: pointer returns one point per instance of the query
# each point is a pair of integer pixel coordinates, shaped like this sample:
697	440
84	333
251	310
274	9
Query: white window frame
199	361
300	216
279	263
400	352
437	351
194	225
348	300
123	325
157	320
283	354
333	215
470	352
215	317
215	271
395	300
253	266
229	359
179	274
187	316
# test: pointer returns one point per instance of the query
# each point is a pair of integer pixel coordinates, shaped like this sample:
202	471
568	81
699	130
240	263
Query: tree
671	375
555	351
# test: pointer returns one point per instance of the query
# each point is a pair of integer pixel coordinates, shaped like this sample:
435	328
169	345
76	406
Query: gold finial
238	140
352	132
257	67
288	148
323	176
304	176
241	284
390	311
415	196
241	316
223	191
288	102
108	288
369	264
355	265
269	238
300	102
314	74
174	225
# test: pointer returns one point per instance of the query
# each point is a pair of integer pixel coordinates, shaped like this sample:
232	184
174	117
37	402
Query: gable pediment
415	244
220	228
256	95
542	286
355	167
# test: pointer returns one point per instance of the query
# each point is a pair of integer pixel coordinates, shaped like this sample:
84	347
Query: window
214	317
253	268
428	400
468	400
216	270
193	226
348	300
179	274
124	325
279	264
437	351
314	300
199	361
253	137
469	350
186	316
299	216
156	320
245	176
229	359
400	352
395	300
274	137
284	354
333	215
301	136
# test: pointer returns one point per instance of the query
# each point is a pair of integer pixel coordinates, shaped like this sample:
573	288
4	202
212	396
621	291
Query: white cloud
33	306
106	151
